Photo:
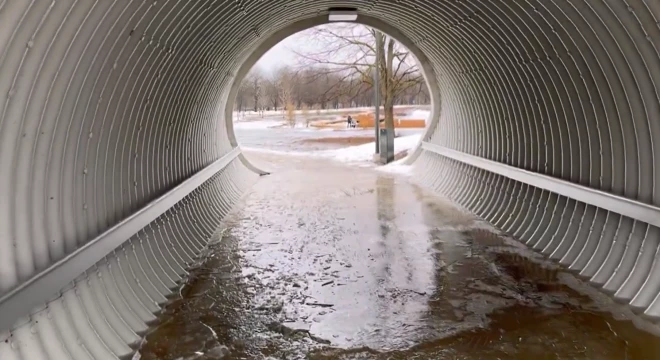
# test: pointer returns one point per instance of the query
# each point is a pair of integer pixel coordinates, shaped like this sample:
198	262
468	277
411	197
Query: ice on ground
353	154
259	124
276	152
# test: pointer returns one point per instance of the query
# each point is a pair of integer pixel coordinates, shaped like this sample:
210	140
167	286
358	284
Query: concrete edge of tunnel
251	166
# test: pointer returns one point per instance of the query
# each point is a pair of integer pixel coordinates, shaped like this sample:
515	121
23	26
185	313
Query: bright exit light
343	15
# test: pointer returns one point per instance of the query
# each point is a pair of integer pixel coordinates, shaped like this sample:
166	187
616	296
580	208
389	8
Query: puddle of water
375	268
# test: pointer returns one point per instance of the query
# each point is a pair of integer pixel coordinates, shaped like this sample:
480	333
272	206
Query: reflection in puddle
372	267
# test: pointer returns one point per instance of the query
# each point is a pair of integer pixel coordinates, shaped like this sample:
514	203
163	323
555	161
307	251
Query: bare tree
335	77
349	50
286	95
241	96
272	91
257	91
250	93
304	111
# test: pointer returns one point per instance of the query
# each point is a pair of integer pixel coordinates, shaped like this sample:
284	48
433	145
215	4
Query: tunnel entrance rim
269	42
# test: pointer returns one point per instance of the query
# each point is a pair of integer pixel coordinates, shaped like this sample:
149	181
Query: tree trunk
388	105
387	59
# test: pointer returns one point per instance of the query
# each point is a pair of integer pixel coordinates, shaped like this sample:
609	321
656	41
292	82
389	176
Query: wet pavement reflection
324	261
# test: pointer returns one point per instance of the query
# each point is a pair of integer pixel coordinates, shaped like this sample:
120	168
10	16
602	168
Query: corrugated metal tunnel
118	160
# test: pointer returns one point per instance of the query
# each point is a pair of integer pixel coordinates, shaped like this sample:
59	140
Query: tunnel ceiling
109	107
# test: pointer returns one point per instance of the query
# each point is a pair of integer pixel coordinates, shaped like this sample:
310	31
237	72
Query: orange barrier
366	120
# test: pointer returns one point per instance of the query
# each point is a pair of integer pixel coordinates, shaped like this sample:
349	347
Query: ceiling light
343	15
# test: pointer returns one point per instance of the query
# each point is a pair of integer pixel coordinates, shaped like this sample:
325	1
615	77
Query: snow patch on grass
397	167
365	153
257	125
416	114
358	155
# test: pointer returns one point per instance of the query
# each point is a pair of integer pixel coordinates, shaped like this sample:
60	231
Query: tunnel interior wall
566	89
107	105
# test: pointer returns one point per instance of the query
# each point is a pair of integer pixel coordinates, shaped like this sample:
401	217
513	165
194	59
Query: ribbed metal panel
567	89
104	312
107	105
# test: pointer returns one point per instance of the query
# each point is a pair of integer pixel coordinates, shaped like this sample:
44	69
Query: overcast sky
280	54
283	53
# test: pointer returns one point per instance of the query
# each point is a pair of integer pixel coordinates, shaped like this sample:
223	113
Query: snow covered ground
397	167
271	134
360	155
416	114
365	153
249	124
258	124
238	114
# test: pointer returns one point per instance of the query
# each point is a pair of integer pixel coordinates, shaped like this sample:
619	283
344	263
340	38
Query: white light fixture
343	15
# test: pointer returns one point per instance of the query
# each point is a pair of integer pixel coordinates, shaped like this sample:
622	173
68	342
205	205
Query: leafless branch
339	68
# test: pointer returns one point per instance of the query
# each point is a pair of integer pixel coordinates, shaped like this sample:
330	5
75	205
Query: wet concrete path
325	261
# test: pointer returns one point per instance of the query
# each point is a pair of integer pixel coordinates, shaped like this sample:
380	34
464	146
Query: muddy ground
326	261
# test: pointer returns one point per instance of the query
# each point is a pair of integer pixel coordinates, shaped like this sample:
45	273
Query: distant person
349	122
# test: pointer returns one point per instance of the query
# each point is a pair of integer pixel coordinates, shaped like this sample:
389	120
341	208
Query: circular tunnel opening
326	82
313	93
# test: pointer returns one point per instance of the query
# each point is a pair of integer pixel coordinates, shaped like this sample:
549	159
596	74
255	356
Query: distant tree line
318	87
